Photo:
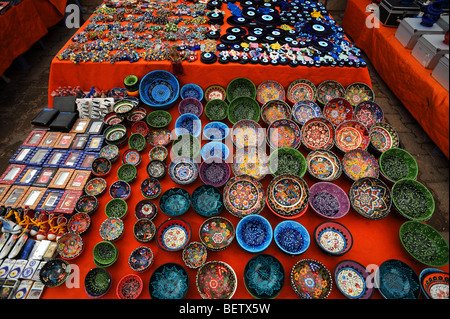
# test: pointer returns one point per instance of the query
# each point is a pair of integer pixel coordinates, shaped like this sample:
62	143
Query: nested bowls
329	200
360	163
310	279
243	195
351	135
159	89
127	173
101	166
129	287
412	200
333	238
284	133
323	165
216	233
291	237
216	131
105	254
216	280
194	255
190	105
183	170
396	164
188	123
215	172
273	110
97	282
173	235
175	202
243	108
140	259
116	207
216	110
395	279
318	133
240	87
254	233
158	118
207	201
169	281
270	90
70	246
264	276
351	278
287	160
191	90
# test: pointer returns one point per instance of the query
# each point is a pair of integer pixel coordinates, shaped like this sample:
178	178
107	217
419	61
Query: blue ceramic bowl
207	201
395	279
291	237
169	281
216	131
188	123
175	202
254	233
191	90
215	149
159	89
120	189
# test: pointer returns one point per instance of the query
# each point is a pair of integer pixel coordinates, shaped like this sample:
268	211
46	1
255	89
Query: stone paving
26	94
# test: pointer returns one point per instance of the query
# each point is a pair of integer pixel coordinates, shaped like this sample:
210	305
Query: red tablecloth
414	86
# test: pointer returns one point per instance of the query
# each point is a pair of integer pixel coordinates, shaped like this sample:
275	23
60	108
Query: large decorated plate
169	281
288	196
318	133
337	111
371	198
173	235
284	133
329	90
300	90
310	279
383	137
359	92
270	90
216	280
275	110
250	161
323	165
351	278
397	280
351	135
183	170
217	233
303	111
368	113
243	195
359	163
264	276
247	133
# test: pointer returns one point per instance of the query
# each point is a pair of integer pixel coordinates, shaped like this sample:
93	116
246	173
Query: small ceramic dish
86	204
175	202
300	90
310	279
383	137
275	110
250	161
105	254
215	149
188	123
216	131
396	164
215	92
304	110
194	255
254	233
216	110
359	163
368	113
141	259
247	133
333	238
137	142
191	90
395	279
215	172
173	235
186	145
131	156
69	246
318	133
217	233
190	105
112	119
158	119
243	108
120	189
127	173
137	114
101	166
116	207
291	237
159	137
116	134
145	209
287	160
151	188
129	287
207	201
169	281
54	272
111	229
352	280
240	87
284	133
183	170
434	283
329	200
337	111
97	282
158	153
264	276
111	152
220	273
357	92
323	165
79	223
243	195
351	135
328	90
123	107
95	187
270	90
412	200
156	169
140	127
371	198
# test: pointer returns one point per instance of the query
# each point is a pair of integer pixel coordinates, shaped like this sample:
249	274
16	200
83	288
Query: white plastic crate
410	30
429	49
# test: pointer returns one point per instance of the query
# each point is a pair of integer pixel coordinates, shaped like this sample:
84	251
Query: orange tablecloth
420	93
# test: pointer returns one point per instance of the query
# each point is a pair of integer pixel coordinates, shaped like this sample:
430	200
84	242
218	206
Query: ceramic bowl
190	105
105	254
396	164
116	134
159	89
264	276
216	110
368	113
175	202
87	204
183	170
240	87
141	259
216	131
127	173
412	200
188	124
158	153
112	119
434	283
79	223
395	279
318	133
159	137
137	142
116	207
217	233
329	90
337	111
191	90
186	145
158	119
291	237
243	195
97	282
54	272
169	281
173	235
111	229
275	110
358	92
351	279
333	238
131	156
215	92
310	279
129	287
304	110
424	243
220	272
243	108
247	133
120	189
323	165
194	255
300	90
214	172
288	196
151	188
140	127
215	149
359	163
69	246
123	106
371	198
254	233
136	114
270	90
156	169
145	209
329	200
383	137
250	161
351	135
101	167
287	160
111	152
284	133
207	201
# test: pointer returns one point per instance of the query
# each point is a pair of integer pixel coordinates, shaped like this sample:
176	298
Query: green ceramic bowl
240	87
412	200
424	243
243	108
396	164
159	119
131	83
186	145
105	254
116	207
137	142
216	110
127	173
287	160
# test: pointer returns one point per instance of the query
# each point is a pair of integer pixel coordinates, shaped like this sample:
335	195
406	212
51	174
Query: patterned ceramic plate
183	170
300	90
371	198
383	137
284	133
359	163
318	133
329	90
250	161
324	165
140	259
397	280
351	135
359	92
194	255
310	279
275	110
264	276
247	133
351	278
216	233
110	152
160	136
337	111
216	280
169	281
173	235
111	229
303	111
215	92
69	246
79	223
333	238
270	90
243	195
368	113
131	156
288	196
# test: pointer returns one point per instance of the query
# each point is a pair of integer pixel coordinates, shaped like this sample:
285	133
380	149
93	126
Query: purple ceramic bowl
190	105
215	172
329	200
